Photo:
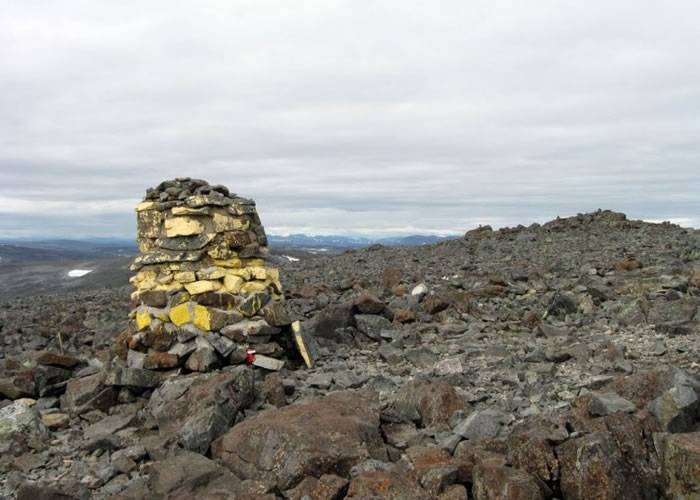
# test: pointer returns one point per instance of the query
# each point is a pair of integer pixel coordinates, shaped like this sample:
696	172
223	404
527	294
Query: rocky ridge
550	361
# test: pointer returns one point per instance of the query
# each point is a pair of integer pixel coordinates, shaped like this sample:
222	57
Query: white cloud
360	116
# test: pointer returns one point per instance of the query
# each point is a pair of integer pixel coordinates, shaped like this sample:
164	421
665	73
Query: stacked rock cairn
205	295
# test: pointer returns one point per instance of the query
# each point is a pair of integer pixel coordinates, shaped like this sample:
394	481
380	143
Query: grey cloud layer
364	117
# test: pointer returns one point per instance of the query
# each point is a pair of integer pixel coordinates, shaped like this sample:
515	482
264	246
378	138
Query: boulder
498	482
607	403
430	404
331	319
676	409
196	409
88	393
481	424
191	475
284	445
680	464
327	487
386	485
372	325
19	423
609	464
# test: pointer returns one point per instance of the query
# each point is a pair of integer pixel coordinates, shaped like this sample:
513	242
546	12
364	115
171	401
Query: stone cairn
205	295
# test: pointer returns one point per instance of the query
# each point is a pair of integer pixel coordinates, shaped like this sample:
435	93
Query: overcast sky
357	116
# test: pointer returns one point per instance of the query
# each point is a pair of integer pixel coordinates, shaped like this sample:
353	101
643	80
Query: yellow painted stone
182	226
225	222
146	205
189	312
202	286
202	318
232	283
253	286
229	263
143	320
180	314
185	277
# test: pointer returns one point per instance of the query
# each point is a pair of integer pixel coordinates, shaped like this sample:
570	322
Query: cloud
339	116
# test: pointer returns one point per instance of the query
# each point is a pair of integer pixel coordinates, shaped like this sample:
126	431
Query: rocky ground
553	361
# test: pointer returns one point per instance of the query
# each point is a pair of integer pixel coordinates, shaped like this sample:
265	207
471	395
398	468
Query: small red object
250	356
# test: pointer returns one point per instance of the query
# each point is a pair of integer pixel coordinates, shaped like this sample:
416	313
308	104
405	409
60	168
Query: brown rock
680	462
284	445
497	482
434	402
454	492
434	468
470	453
369	304
55	359
391	277
404	315
272	390
88	393
275	314
608	464
694	276
327	487
198	408
191	475
156	360
434	304
627	265
385	485
154	298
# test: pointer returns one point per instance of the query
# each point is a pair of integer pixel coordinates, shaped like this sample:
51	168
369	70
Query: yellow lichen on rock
253	286
182	226
146	205
185	277
224	222
233	283
228	263
202	286
189	211
211	273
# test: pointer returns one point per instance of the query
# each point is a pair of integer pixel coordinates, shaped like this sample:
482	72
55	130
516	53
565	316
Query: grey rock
607	403
133	377
222	345
481	424
204	358
676	409
372	325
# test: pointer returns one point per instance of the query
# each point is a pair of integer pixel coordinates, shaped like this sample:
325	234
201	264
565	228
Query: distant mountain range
16	250
338	241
